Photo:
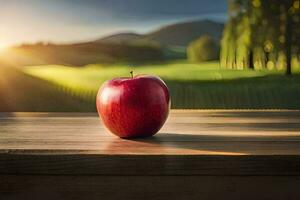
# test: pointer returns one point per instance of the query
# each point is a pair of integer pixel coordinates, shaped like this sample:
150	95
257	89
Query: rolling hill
178	34
120	38
182	34
166	43
81	54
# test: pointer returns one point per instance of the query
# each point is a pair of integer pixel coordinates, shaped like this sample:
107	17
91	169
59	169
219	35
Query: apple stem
131	72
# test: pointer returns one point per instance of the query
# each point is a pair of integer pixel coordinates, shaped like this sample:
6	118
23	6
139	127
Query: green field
22	92
203	86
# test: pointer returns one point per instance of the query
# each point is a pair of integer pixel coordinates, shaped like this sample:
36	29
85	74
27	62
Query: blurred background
236	54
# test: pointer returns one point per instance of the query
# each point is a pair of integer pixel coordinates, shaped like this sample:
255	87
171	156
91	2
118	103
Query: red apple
133	107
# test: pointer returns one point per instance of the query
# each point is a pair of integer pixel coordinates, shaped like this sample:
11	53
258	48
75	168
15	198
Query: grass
191	85
22	92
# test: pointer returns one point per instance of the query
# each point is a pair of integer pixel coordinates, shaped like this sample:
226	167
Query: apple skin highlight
134	107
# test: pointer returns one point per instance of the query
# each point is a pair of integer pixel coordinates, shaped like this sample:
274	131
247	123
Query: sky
65	21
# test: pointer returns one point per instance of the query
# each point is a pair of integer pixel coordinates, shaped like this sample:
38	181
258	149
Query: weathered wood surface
197	155
28	187
190	143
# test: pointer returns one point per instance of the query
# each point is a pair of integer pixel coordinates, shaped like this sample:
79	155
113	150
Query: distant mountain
179	34
168	42
121	38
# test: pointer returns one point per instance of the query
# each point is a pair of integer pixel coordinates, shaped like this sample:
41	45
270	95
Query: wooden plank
191	143
149	187
91	164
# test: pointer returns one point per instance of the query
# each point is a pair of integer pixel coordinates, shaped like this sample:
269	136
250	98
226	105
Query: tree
203	49
261	31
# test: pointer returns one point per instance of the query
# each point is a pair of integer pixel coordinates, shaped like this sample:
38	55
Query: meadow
202	86
22	92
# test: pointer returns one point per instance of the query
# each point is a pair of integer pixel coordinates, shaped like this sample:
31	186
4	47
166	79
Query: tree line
261	34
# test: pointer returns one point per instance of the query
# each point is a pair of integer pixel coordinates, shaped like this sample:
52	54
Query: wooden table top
192	142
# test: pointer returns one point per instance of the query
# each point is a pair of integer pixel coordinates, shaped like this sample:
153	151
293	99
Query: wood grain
191	143
149	187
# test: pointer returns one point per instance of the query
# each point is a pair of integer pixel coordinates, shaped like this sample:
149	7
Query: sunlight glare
2	47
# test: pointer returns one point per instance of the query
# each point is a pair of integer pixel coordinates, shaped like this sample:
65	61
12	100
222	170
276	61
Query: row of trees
261	33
